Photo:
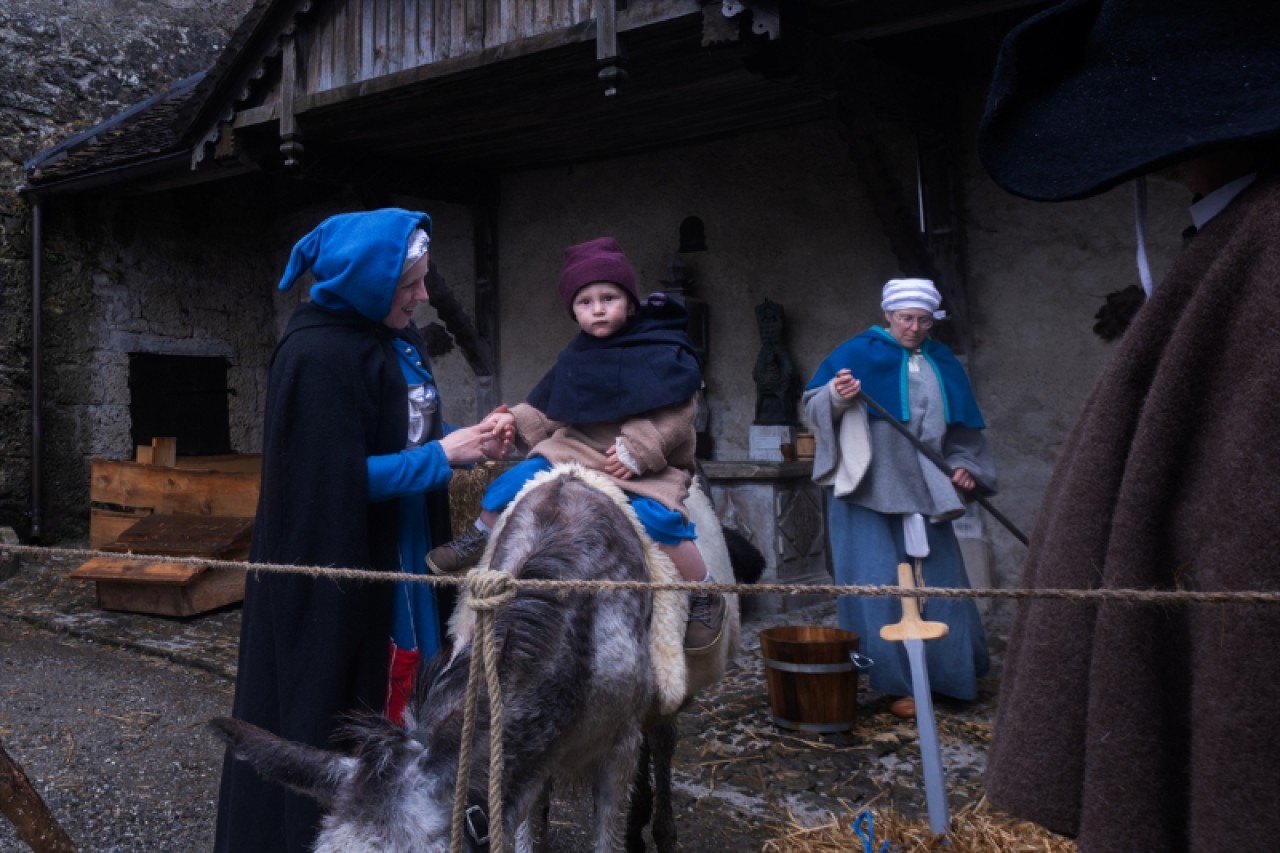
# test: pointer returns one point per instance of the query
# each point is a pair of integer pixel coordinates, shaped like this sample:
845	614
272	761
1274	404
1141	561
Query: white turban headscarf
900	293
419	242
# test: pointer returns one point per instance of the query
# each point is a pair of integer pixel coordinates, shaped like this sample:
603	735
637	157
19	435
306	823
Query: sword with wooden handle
913	631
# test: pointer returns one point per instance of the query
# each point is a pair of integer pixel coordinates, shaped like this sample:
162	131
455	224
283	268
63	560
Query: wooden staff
933	456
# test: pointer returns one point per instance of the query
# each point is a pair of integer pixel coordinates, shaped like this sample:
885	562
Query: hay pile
467	488
976	828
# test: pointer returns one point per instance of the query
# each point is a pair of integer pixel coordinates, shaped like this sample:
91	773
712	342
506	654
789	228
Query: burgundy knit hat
600	259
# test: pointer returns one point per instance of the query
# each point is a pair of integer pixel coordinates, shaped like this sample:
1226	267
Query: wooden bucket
813	684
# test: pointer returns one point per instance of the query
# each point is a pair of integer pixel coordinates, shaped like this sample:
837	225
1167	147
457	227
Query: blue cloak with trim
876	359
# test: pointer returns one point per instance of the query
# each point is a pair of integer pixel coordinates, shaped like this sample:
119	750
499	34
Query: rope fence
490	590
1085	596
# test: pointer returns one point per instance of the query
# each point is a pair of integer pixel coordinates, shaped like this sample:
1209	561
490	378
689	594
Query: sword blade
935	786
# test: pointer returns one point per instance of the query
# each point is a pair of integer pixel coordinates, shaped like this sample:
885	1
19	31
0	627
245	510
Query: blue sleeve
408	472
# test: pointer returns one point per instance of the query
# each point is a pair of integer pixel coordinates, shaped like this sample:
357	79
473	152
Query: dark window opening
182	396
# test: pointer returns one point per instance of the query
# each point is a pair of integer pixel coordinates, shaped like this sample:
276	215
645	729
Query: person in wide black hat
1133	726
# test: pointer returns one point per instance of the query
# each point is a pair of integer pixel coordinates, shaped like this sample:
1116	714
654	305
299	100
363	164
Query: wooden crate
122	492
162	589
200	506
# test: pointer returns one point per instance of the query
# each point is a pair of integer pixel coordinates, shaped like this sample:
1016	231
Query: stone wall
189	272
177	274
67	67
788	219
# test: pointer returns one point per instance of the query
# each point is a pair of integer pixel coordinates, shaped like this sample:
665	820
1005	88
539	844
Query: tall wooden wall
363	39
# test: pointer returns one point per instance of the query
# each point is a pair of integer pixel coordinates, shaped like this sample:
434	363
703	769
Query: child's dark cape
648	365
880	363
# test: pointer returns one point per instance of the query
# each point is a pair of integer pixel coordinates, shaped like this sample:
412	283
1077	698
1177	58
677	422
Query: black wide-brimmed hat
1090	93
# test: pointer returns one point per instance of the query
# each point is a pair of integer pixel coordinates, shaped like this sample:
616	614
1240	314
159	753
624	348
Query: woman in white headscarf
887	503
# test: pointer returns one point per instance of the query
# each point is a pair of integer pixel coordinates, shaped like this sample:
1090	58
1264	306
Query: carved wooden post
608	55
290	138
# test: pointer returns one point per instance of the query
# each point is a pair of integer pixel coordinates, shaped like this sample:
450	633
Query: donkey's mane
563	530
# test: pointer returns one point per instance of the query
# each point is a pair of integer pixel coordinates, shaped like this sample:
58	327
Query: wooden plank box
194	507
162	589
123	492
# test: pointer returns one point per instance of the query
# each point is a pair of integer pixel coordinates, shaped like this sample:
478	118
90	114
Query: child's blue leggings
665	526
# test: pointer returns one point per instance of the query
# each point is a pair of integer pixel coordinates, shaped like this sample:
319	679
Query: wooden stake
21	804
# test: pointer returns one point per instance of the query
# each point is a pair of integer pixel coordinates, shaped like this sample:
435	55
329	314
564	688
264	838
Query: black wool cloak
312	649
650	364
1144	727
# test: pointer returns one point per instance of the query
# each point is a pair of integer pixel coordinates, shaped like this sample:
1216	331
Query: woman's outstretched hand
492	438
502	433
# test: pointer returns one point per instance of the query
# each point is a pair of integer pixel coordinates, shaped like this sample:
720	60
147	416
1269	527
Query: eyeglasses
924	321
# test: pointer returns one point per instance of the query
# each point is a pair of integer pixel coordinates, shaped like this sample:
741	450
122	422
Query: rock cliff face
69	66
65	67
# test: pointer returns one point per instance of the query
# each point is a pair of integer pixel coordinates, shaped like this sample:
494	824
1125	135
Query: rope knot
489	590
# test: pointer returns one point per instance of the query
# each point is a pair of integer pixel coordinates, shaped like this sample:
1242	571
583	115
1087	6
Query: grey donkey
584	676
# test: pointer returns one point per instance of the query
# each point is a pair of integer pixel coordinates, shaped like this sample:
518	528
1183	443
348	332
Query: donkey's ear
306	769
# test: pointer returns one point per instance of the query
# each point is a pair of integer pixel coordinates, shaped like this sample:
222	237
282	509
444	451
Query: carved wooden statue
776	388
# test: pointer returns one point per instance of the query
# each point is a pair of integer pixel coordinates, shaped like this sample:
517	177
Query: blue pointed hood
356	259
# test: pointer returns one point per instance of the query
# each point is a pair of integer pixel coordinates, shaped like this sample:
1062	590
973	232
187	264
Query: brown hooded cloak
1141	727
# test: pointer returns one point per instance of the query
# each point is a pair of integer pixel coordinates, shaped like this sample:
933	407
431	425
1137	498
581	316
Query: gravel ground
105	713
113	739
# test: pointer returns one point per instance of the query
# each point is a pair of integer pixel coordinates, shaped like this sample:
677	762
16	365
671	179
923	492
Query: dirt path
113	740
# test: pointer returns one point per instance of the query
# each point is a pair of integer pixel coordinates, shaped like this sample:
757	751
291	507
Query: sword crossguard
911	626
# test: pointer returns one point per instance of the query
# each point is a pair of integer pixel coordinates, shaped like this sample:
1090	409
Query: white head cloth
900	293
419	242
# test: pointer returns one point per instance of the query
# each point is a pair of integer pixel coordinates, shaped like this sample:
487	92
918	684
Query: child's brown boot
459	555
706	620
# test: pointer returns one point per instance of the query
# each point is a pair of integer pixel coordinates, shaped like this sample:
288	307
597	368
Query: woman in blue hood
356	464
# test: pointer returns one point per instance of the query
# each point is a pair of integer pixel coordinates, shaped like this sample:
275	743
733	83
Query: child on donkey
619	400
